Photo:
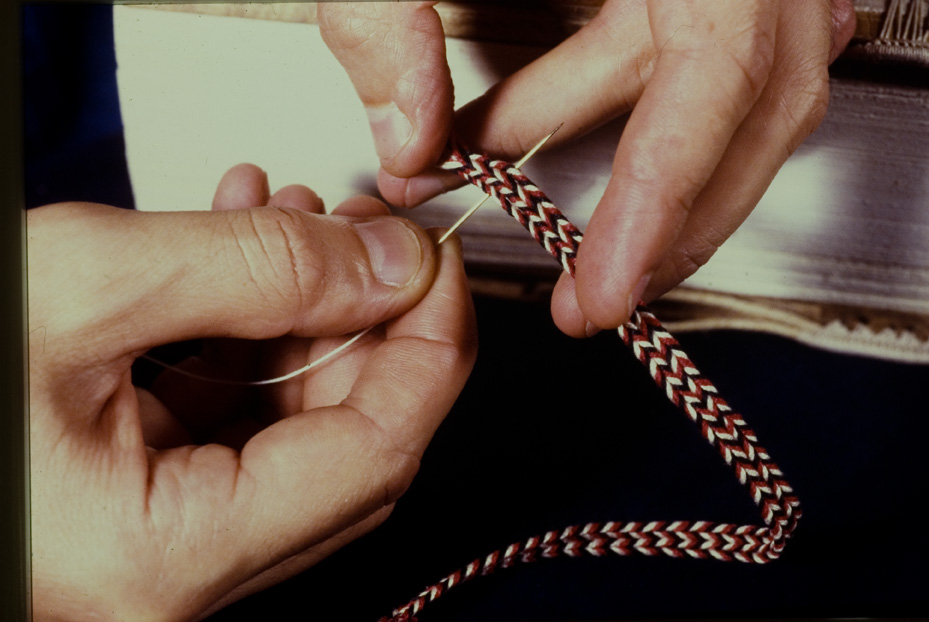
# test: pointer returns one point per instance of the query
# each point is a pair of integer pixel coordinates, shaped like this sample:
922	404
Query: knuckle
751	53
816	105
352	26
405	466
671	193
348	25
390	50
687	258
810	110
802	107
273	248
394	462
739	57
643	66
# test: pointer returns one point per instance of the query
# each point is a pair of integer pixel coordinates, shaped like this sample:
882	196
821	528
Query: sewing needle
357	335
475	207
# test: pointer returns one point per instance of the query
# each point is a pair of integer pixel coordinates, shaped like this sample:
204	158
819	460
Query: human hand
721	93
137	512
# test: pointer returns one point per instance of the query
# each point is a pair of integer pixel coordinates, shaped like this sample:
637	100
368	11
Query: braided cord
673	371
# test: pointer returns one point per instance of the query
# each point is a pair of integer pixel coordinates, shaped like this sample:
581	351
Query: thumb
394	53
106	282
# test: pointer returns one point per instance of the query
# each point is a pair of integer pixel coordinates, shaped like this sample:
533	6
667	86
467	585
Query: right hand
721	92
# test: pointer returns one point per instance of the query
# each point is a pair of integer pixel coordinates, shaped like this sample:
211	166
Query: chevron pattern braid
522	200
673	371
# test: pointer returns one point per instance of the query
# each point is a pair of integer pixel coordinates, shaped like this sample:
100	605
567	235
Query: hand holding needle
335	352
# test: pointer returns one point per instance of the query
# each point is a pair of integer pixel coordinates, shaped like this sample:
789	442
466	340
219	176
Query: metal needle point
474	208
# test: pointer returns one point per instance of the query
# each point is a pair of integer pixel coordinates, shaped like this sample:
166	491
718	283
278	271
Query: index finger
713	64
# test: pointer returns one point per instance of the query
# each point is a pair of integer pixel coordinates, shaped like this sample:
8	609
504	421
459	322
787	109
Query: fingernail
636	296
590	330
390	128
393	250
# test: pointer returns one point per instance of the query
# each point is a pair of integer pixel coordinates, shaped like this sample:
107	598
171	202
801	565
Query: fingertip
392	188
296	196
629	236
420	104
361	206
603	295
245	171
566	313
429	185
437	233
242	186
608	304
413	191
442	239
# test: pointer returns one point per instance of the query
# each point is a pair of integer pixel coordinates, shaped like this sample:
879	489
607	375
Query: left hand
169	503
721	92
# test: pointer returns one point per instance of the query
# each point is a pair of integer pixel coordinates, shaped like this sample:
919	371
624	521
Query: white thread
474	207
255	383
347	344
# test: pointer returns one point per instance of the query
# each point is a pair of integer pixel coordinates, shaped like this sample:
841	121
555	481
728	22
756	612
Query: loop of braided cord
673	371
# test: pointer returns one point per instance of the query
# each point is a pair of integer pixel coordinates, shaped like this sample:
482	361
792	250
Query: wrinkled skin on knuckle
273	248
372	40
362	37
648	179
752	48
816	102
803	112
609	26
801	79
805	100
390	461
686	259
299	253
682	262
348	25
405	465
737	46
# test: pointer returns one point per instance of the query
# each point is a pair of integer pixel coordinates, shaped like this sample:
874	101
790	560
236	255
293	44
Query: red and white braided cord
684	386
